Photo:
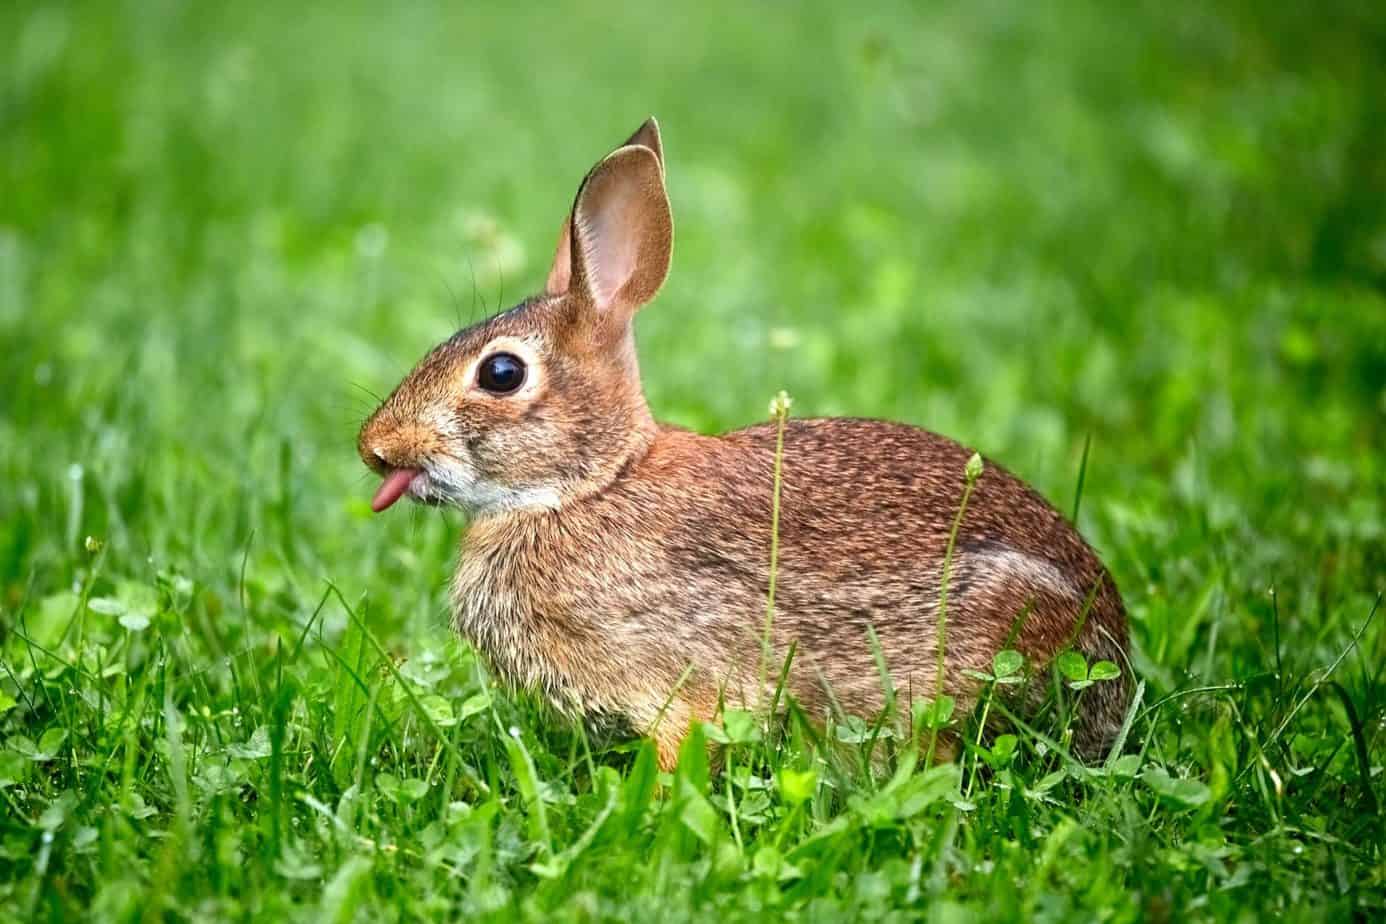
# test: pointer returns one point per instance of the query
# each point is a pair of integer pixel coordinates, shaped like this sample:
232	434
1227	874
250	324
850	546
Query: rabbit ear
615	248
560	274
647	136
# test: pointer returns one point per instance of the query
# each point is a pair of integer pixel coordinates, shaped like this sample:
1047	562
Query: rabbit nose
374	448
374	459
387	443
380	461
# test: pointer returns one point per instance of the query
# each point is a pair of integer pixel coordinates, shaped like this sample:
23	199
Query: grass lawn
1157	230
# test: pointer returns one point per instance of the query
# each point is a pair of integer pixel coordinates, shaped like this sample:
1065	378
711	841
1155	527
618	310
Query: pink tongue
393	488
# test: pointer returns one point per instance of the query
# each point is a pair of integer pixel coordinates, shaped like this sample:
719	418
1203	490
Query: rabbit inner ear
622	231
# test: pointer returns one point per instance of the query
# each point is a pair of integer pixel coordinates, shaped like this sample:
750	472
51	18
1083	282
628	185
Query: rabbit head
541	402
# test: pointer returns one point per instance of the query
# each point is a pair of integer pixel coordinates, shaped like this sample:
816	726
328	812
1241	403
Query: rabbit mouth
395	486
455	484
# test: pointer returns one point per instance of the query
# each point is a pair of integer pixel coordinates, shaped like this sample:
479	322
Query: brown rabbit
621	565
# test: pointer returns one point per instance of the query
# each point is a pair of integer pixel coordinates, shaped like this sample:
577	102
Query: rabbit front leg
668	743
669	722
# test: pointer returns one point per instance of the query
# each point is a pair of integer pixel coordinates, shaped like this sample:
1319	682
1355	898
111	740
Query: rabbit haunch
621	566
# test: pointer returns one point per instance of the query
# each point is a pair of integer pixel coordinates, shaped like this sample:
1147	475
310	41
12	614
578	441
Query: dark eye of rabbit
501	373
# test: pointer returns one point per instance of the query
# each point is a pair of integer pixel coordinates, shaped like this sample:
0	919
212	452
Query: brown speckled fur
621	566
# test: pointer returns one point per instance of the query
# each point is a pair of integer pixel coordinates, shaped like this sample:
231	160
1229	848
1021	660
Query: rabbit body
622	567
661	619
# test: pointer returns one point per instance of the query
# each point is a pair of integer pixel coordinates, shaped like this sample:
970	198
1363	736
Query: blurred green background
1160	226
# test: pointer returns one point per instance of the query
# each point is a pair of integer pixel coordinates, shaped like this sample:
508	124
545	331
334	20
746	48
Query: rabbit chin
459	486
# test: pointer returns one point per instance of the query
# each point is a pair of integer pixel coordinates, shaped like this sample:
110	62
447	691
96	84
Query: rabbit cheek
502	458
517	454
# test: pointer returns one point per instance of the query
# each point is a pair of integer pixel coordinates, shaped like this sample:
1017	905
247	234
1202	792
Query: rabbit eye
501	373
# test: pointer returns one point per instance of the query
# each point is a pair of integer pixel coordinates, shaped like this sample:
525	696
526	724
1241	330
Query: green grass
1157	227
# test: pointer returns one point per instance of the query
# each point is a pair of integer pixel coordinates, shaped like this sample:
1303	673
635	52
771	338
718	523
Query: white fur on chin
457	485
